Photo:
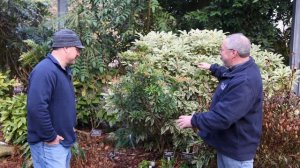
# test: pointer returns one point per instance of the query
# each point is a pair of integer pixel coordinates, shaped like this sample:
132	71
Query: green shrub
89	109
147	106
6	85
33	56
13	115
13	121
161	83
123	138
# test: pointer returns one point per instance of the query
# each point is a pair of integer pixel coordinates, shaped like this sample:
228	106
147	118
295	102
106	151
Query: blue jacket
51	107
233	126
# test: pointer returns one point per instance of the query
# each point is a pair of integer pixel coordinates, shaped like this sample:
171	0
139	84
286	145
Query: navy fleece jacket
233	126
51	108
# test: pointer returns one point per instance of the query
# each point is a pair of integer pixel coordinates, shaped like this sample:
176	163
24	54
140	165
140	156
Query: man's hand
203	65
184	121
56	140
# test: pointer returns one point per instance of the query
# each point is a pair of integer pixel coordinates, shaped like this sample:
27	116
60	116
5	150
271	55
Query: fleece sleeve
235	104
217	70
41	85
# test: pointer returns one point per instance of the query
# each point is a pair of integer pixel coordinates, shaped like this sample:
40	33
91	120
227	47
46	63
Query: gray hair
240	43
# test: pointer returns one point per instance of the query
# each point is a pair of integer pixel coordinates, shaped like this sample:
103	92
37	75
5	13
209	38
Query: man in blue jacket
233	125
51	107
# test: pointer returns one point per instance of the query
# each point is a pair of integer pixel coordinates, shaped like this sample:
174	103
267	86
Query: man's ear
235	53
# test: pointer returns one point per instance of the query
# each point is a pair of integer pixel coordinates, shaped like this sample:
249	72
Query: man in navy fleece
233	125
51	107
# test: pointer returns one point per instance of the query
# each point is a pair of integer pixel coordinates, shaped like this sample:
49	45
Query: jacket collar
231	72
55	62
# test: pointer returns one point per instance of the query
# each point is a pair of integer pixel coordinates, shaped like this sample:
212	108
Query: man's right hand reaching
203	65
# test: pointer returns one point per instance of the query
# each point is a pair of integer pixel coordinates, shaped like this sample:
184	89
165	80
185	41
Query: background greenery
13	114
136	72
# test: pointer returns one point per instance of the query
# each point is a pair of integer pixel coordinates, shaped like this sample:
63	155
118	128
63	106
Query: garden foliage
162	83
13	114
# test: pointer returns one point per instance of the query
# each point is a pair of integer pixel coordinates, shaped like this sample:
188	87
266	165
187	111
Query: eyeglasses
221	49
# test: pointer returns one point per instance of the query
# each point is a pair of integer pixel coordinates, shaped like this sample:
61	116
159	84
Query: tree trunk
62	6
